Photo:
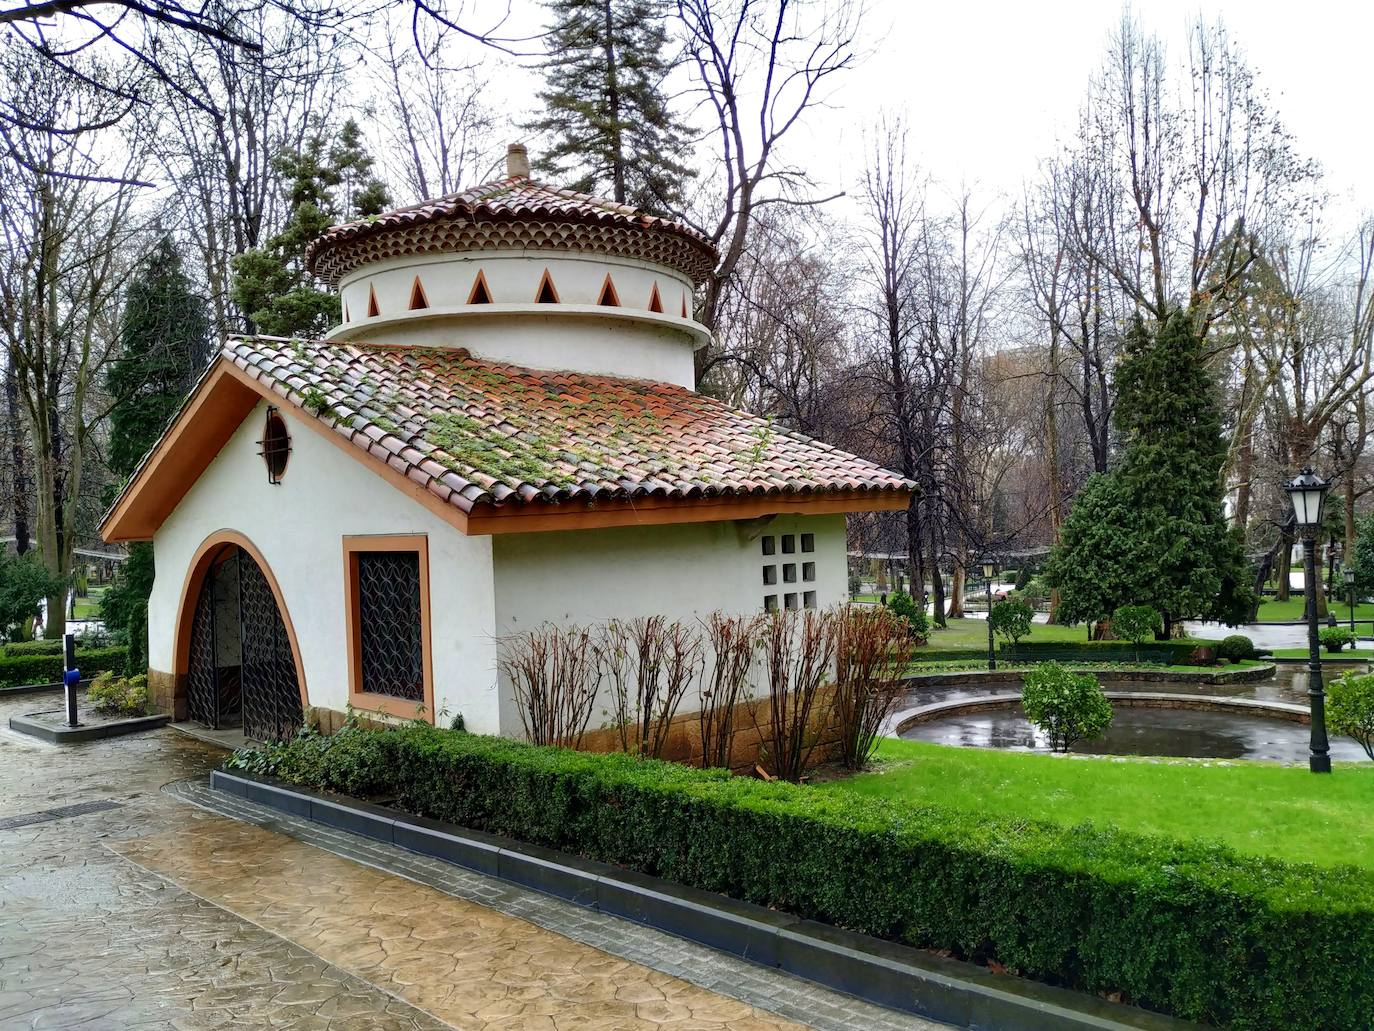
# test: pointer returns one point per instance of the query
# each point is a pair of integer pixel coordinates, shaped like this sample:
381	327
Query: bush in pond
1350	709
1236	648
1067	706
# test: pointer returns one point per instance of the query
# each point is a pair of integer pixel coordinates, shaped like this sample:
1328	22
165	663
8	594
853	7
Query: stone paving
183	908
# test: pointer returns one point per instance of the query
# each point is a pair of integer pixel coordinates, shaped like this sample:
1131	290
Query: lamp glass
1349	573
1308	494
989	569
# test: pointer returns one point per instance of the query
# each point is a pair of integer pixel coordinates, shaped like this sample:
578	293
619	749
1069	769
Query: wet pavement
127	901
1144	731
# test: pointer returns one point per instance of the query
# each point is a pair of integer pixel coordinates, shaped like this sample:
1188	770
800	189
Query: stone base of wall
166	693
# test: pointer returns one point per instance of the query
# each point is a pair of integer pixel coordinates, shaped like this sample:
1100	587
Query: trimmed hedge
1167	653
31	648
1189	928
47	669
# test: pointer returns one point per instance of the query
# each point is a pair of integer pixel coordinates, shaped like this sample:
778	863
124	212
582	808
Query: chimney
517	161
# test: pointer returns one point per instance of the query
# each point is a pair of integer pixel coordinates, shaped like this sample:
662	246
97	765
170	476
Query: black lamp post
1307	491
1349	573
989	571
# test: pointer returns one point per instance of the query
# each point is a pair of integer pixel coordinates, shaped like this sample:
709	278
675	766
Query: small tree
1136	623
650	663
1066	706
1350	709
915	618
1011	620
24	583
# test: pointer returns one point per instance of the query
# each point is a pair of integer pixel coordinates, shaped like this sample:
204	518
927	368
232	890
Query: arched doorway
240	665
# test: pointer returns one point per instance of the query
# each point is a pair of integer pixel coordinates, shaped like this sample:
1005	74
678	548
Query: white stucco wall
299	526
575	334
682	572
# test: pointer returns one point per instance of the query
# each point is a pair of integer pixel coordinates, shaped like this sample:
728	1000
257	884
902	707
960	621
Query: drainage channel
66	812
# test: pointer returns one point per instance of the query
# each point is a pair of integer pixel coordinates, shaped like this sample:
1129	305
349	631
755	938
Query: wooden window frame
370	701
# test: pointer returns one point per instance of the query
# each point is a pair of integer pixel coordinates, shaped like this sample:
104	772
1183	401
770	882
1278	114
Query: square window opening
770	603
809	599
789	543
790	602
770	575
789	573
808	542
770	545
808	571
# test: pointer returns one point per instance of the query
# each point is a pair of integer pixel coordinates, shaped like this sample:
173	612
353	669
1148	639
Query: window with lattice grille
388	616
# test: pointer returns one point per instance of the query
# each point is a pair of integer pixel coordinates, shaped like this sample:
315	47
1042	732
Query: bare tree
760	66
64	234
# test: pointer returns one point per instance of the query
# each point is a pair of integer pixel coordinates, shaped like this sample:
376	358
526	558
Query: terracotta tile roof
475	432
513	199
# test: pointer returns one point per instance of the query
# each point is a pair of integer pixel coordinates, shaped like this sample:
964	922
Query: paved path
181	908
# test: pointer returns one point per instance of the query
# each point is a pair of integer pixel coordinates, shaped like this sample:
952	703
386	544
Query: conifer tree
327	185
1154	533
609	124
163	334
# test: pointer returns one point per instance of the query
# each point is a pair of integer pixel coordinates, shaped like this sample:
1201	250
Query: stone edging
5	692
91	732
904	720
1245	675
876	971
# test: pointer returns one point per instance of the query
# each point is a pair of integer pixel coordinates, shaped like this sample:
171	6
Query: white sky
988	87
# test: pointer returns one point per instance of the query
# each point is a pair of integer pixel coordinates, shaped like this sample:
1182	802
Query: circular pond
1183	732
1144	731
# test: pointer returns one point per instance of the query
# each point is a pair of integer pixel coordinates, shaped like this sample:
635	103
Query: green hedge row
1188	928
31	648
1168	653
47	669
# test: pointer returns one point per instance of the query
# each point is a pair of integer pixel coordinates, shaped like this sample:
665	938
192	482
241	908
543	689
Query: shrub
47	668
1011	620
1189	928
872	649
1067	706
31	648
917	619
650	663
1137	624
1350	709
798	653
554	673
732	641
1334	638
118	696
1236	648
1172	653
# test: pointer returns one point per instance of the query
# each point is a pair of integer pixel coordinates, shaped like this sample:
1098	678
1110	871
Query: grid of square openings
784	576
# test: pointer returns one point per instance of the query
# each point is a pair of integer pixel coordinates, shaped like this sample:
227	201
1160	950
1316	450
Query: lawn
1293	611
973	633
89	607
1259	808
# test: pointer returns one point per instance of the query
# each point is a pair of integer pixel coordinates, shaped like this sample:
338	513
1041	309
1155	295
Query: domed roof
515	211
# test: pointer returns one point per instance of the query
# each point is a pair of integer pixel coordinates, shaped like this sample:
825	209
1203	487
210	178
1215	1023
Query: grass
89	607
1301	653
1293	610
973	633
1256	808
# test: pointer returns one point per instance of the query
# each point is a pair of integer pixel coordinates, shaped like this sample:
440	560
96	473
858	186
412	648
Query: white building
502	432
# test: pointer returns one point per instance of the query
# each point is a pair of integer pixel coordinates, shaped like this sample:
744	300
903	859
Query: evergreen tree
1158	535
605	110
326	185
162	340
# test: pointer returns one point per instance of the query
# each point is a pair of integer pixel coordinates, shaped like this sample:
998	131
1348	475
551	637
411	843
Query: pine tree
326	185
611	128
162	338
1155	533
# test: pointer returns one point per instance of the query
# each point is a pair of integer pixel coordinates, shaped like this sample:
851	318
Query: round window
276	446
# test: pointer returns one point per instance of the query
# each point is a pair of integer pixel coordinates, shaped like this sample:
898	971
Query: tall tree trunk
613	104
957	579
19	482
937	583
1285	565
915	550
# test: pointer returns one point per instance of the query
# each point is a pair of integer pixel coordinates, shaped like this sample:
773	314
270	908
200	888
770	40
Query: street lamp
989	571
1349	573
1307	492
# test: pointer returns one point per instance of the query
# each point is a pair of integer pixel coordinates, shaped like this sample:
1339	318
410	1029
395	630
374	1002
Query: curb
877	971
94	732
5	692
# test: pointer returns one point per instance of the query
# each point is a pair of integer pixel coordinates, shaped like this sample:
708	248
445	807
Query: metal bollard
71	677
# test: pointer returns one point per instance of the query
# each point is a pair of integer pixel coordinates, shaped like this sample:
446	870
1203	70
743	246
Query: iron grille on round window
389	639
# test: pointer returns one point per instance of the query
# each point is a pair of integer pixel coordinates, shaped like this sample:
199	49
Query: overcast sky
987	88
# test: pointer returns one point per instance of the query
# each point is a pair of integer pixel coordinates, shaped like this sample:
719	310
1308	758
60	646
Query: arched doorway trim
190	591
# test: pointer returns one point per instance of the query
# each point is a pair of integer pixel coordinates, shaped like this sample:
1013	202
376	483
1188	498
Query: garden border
1107	677
90	732
887	974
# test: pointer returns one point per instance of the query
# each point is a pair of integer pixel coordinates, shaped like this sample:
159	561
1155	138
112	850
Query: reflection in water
1173	732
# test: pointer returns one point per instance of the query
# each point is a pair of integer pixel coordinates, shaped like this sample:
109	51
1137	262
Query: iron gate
241	670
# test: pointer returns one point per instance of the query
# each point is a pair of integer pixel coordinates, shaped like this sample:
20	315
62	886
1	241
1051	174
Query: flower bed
1188	928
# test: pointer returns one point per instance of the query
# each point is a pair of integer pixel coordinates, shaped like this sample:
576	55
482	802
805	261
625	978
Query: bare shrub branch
732	641
798	651
650	663
872	650
555	673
